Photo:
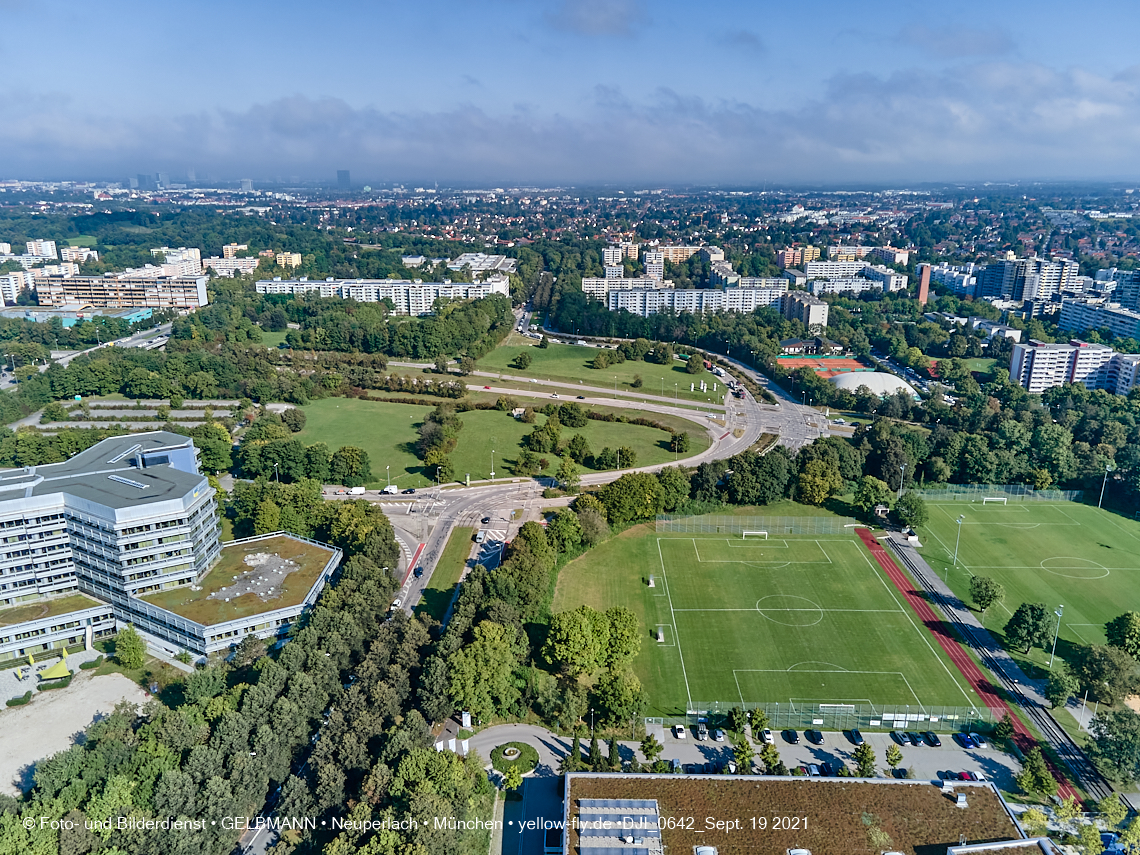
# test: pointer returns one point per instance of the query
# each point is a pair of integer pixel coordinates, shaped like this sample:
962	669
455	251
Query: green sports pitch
800	619
1057	553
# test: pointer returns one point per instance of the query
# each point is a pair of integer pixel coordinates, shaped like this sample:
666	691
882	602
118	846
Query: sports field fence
1013	492
839	716
725	524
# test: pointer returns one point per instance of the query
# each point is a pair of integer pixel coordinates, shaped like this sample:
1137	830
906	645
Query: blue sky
572	91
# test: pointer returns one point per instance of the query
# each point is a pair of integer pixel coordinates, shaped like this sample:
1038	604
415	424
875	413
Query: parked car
978	740
827	769
815	737
718	735
914	738
813	770
702	731
396	603
553	394
932	739
766	737
792	737
900	737
965	741
856	736
679	731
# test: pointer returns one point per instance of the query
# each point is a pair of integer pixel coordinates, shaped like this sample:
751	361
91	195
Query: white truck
390	490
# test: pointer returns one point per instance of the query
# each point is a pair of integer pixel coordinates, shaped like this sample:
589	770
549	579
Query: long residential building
1081	315
834	269
650	301
409	297
124	291
230	265
599	287
1038	366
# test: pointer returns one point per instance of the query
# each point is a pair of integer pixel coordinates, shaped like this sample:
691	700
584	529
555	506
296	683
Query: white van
391	490
480	537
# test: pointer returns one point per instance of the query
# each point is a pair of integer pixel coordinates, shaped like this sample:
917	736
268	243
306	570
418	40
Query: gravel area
50	723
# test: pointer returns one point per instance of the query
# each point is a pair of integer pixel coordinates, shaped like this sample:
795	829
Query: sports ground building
128	532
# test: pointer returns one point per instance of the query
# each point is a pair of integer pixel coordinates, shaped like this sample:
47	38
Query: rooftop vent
126	453
127	481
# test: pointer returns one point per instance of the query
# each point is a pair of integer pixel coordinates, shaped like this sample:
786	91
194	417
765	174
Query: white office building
409	297
1038	366
126	290
479	263
1082	314
11	284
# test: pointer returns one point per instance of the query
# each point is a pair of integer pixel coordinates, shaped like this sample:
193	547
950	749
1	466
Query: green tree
568	475
1061	686
759	721
481	673
743	754
770	756
911	510
1034	822
350	467
737	719
986	592
651	749
624	639
577	449
695	365
1088	839
675	485
130	649
871	492
1029	625
595	759
864	757
617	697
1123	631
1116	746
522	361
634	496
1035	777
894	756
613	755
268	517
1130	837
512	778
573	644
1112	810
564	531
819	481
543	343
1108	672
1004	729
680	442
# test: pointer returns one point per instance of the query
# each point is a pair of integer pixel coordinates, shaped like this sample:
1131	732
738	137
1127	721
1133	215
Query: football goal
995	499
745	534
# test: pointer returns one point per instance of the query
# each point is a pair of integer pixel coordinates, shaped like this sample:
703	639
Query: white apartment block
42	249
477	262
630	249
78	253
805	308
1038	366
408	297
848	253
834	269
852	285
646	302
230	266
64	269
5	248
712	254
958	279
184	261
612	256
677	254
722	275
891	280
614	271
11	284
1079	315
654	264
597	287
124	291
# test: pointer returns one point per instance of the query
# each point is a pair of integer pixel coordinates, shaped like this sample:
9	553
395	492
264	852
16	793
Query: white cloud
956	42
598	17
993	120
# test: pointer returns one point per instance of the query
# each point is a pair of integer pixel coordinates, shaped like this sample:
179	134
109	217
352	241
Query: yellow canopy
56	671
31	659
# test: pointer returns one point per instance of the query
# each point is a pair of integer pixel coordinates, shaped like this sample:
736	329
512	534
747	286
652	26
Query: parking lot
929	763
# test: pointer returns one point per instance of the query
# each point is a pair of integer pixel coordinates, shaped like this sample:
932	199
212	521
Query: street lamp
388	469
492	464
615	387
1058	612
1104	483
902	479
276	477
958	539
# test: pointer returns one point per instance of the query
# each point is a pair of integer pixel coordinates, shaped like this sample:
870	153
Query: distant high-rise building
162	179
924	284
191	175
247	185
611	256
343	181
145	182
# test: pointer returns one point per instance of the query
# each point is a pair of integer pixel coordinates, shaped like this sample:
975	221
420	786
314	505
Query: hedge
55	684
94	663
20	701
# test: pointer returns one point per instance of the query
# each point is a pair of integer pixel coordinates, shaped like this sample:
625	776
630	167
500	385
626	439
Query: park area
1057	553
387	432
568	363
800	619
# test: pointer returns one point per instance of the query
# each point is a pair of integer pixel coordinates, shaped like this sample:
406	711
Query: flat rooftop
43	607
278	574
836	815
105	473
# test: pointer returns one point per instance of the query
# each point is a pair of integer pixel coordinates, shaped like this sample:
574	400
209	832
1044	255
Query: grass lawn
801	619
82	240
1062	553
388	433
624	393
45	607
273	339
984	368
195	605
445	577
567	363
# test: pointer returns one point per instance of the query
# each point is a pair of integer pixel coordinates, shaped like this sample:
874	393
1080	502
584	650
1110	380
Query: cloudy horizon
571	91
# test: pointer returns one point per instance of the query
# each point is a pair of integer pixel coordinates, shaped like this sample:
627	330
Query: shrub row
20	701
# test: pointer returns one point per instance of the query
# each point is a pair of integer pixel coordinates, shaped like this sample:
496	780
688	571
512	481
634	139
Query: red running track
973	674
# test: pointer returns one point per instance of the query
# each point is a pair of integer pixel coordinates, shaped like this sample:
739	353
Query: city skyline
572	91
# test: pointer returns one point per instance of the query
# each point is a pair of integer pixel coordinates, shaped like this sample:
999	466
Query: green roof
43	607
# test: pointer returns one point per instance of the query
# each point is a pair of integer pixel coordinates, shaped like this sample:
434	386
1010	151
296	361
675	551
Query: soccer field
793	619
1060	553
